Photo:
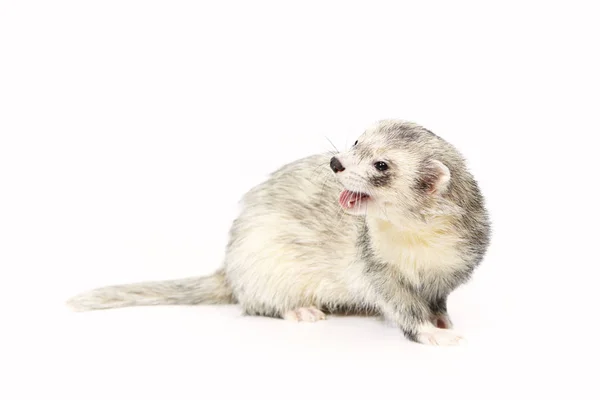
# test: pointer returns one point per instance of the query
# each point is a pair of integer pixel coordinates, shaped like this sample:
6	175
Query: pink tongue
348	198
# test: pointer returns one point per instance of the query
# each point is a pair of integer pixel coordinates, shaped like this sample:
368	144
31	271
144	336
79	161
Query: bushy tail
213	289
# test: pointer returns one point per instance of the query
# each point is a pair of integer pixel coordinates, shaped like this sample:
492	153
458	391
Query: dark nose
336	165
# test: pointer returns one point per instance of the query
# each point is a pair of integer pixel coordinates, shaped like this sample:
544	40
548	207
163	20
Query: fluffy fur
416	233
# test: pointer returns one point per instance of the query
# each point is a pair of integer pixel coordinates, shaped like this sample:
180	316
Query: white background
130	130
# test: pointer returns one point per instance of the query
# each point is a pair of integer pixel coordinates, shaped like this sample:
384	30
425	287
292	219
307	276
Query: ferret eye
381	166
355	143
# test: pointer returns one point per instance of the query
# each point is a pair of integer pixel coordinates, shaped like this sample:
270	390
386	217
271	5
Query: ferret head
394	167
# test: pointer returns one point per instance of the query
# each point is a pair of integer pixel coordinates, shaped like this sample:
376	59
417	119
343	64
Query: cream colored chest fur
419	251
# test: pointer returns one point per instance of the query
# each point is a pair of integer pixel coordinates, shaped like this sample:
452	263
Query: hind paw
304	314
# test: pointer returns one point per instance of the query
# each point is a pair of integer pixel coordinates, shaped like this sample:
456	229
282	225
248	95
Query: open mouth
350	200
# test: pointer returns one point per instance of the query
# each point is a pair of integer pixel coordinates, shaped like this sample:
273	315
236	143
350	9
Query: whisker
330	142
318	167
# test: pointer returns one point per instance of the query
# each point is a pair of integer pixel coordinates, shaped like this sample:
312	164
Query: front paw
442	321
439	337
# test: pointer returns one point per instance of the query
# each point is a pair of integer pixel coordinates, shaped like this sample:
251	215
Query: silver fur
294	252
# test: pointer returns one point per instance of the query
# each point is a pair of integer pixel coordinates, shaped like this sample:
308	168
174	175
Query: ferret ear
435	177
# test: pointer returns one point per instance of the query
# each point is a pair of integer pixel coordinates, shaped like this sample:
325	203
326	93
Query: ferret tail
213	289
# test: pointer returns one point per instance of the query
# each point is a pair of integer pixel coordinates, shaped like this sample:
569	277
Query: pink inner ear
437	177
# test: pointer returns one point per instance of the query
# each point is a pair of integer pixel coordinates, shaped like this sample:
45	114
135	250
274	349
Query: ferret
392	226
